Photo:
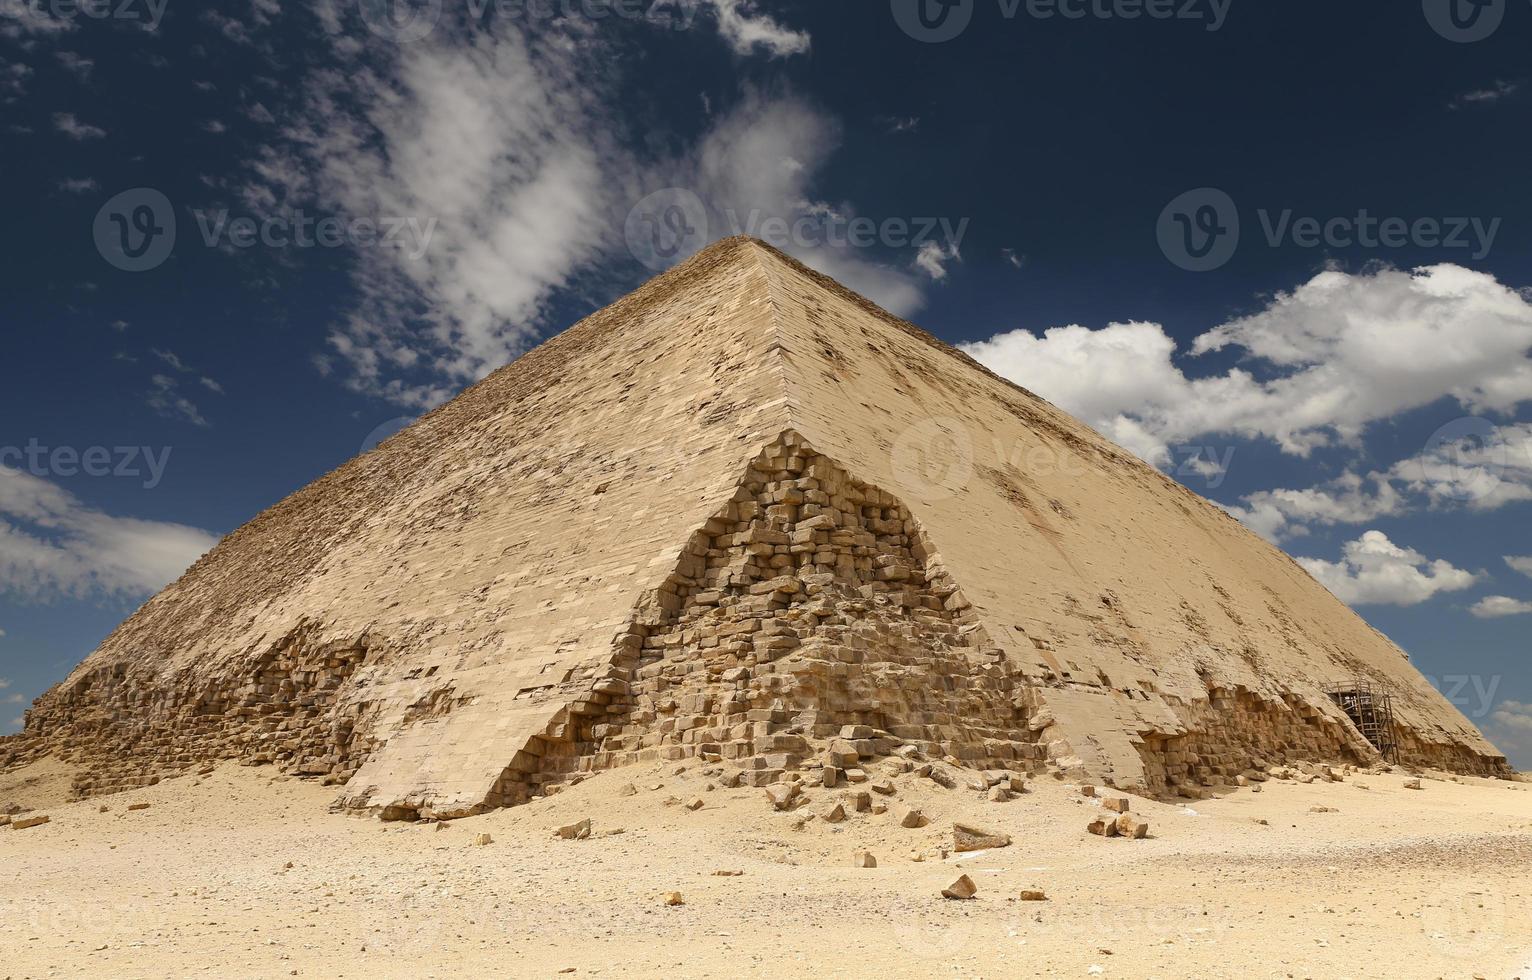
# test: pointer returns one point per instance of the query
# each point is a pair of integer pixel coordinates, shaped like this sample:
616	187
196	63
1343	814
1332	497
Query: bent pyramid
724	518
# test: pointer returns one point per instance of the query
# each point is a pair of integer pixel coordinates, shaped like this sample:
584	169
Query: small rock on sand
963	888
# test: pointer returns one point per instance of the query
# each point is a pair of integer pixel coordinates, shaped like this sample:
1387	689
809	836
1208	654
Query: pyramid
741	516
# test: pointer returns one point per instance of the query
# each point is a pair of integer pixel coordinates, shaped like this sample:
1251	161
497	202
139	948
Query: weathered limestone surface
730	516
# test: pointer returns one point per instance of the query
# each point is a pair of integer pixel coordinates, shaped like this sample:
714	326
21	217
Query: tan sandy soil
1431	883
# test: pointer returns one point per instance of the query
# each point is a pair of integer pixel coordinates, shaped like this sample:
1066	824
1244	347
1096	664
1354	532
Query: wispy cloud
66	123
1485	96
750	31
78	185
165	397
53	546
75	64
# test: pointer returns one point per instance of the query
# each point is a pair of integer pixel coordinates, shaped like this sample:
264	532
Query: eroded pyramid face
741	515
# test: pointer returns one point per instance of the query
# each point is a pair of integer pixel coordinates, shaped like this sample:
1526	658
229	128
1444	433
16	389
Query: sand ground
243	874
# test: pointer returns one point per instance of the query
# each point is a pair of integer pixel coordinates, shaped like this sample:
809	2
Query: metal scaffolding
1371	710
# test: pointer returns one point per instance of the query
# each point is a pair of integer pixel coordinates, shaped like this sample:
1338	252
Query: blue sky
1283	251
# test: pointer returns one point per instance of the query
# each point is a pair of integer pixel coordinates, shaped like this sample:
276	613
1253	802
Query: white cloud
932	259
165	398
20	19
1470	463
1331	358
5	682
749	31
66	123
13	78
1375	571
79	66
1519	563
78	185
53	545
513	149
1513	714
1486	96
1495	606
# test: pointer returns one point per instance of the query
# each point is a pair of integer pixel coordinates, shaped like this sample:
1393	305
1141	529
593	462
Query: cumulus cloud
749	31
1375	571
1327	360
1518	563
1496	606
52	545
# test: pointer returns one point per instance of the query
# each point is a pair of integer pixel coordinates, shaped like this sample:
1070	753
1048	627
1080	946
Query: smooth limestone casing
411	622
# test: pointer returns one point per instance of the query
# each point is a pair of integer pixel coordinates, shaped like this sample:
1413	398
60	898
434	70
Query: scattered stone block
482	839
782	795
1032	895
999	794
966	837
1117	804
627	789
963	888
674	898
884	786
863	859
861	801
834	814
26	822
910	817
696	804
575	831
1132	826
138	806
1103	826
1412	784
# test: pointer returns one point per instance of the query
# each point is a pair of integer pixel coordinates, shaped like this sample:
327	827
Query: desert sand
244	873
